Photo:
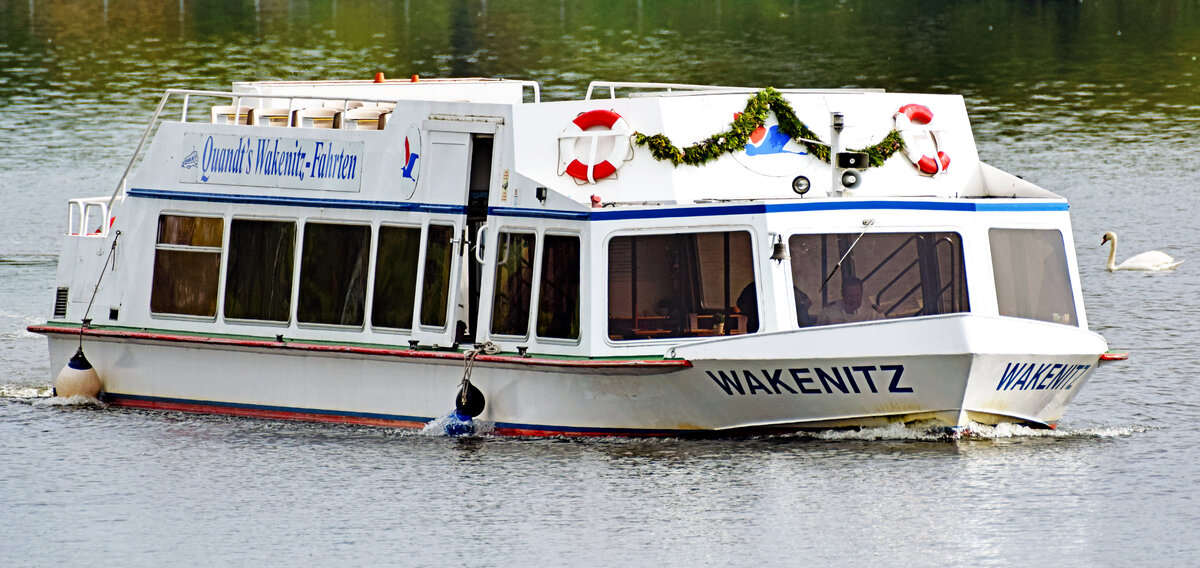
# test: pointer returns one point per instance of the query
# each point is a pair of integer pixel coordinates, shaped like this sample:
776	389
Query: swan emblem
1150	260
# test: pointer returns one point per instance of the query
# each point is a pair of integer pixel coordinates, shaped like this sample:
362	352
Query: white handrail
612	87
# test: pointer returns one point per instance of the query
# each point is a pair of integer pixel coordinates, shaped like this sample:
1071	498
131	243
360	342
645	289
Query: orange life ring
920	143
595	119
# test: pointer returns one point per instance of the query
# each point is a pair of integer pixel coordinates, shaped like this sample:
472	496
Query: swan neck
1112	253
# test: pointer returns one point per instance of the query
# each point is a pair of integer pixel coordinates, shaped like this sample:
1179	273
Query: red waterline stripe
406	353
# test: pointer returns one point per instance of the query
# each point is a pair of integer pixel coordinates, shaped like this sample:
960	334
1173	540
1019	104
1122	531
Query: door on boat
462	155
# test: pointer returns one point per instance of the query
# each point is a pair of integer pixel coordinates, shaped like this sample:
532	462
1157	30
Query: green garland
755	115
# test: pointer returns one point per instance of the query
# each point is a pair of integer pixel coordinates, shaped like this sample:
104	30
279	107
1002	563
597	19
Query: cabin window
558	294
395	277
880	276
259	271
514	283
435	290
680	285
333	274
187	265
1032	280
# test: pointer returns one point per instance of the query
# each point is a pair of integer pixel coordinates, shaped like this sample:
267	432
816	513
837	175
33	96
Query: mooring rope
487	348
111	251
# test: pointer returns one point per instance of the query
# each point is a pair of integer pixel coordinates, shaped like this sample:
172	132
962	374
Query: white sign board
275	161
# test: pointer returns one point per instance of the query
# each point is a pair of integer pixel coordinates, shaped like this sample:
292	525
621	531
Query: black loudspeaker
855	160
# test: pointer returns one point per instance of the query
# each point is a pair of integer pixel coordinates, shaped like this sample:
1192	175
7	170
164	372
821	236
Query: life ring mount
592	126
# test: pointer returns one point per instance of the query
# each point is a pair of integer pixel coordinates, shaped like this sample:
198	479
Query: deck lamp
801	185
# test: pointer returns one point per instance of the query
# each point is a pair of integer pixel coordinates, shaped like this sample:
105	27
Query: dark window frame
669	318
304	301
448	274
375	288
290	273
924	264
542	283
531	269
189	249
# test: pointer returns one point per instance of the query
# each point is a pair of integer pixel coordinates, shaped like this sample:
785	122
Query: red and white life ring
593	125
920	142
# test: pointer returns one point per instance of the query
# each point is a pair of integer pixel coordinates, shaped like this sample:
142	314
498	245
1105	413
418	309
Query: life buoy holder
589	125
920	141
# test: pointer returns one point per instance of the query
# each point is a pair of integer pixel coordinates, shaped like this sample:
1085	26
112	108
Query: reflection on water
1095	100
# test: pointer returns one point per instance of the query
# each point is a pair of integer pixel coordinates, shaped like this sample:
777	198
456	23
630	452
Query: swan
1150	260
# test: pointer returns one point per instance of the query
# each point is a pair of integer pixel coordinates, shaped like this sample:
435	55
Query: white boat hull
946	371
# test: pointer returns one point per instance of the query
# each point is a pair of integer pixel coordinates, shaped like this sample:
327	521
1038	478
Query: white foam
77	400
437	427
24	391
975	431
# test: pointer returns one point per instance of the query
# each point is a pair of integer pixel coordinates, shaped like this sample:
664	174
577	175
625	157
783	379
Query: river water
1096	100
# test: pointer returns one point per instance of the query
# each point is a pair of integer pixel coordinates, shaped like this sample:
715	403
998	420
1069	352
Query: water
1096	100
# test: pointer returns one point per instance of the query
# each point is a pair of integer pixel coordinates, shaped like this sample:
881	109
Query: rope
111	252
487	348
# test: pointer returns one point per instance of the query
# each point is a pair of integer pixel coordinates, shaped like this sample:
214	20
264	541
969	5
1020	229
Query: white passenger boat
654	259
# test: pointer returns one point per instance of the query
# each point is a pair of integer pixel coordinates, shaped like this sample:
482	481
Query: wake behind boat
657	260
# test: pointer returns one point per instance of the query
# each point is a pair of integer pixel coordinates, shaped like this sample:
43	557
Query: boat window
849	277
1032	281
681	285
558	294
435	291
333	274
395	277
187	265
514	283
259	270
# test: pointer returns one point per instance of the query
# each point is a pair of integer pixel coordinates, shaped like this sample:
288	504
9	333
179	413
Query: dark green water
1096	100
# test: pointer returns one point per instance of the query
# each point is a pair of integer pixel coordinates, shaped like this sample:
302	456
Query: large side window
435	290
187	265
514	283
259	272
558	294
333	274
1032	281
395	277
681	285
844	278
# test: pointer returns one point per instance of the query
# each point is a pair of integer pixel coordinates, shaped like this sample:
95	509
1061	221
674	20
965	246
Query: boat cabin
436	214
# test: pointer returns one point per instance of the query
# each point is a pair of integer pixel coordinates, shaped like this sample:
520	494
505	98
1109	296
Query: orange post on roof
416	78
379	77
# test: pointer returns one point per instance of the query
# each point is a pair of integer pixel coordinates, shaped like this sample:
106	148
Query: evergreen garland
754	116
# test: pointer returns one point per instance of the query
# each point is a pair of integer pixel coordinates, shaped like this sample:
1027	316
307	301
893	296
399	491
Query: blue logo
192	160
771	140
410	160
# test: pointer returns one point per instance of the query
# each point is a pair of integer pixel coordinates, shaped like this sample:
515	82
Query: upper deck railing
278	110
660	89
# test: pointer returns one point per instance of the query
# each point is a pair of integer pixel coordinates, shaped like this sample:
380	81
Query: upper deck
361	142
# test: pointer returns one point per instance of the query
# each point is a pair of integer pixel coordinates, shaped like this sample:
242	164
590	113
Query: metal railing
88	217
236	100
683	88
612	87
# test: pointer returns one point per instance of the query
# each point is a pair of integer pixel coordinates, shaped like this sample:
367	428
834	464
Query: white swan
1150	260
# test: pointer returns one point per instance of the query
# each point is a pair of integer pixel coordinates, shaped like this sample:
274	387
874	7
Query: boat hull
983	370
